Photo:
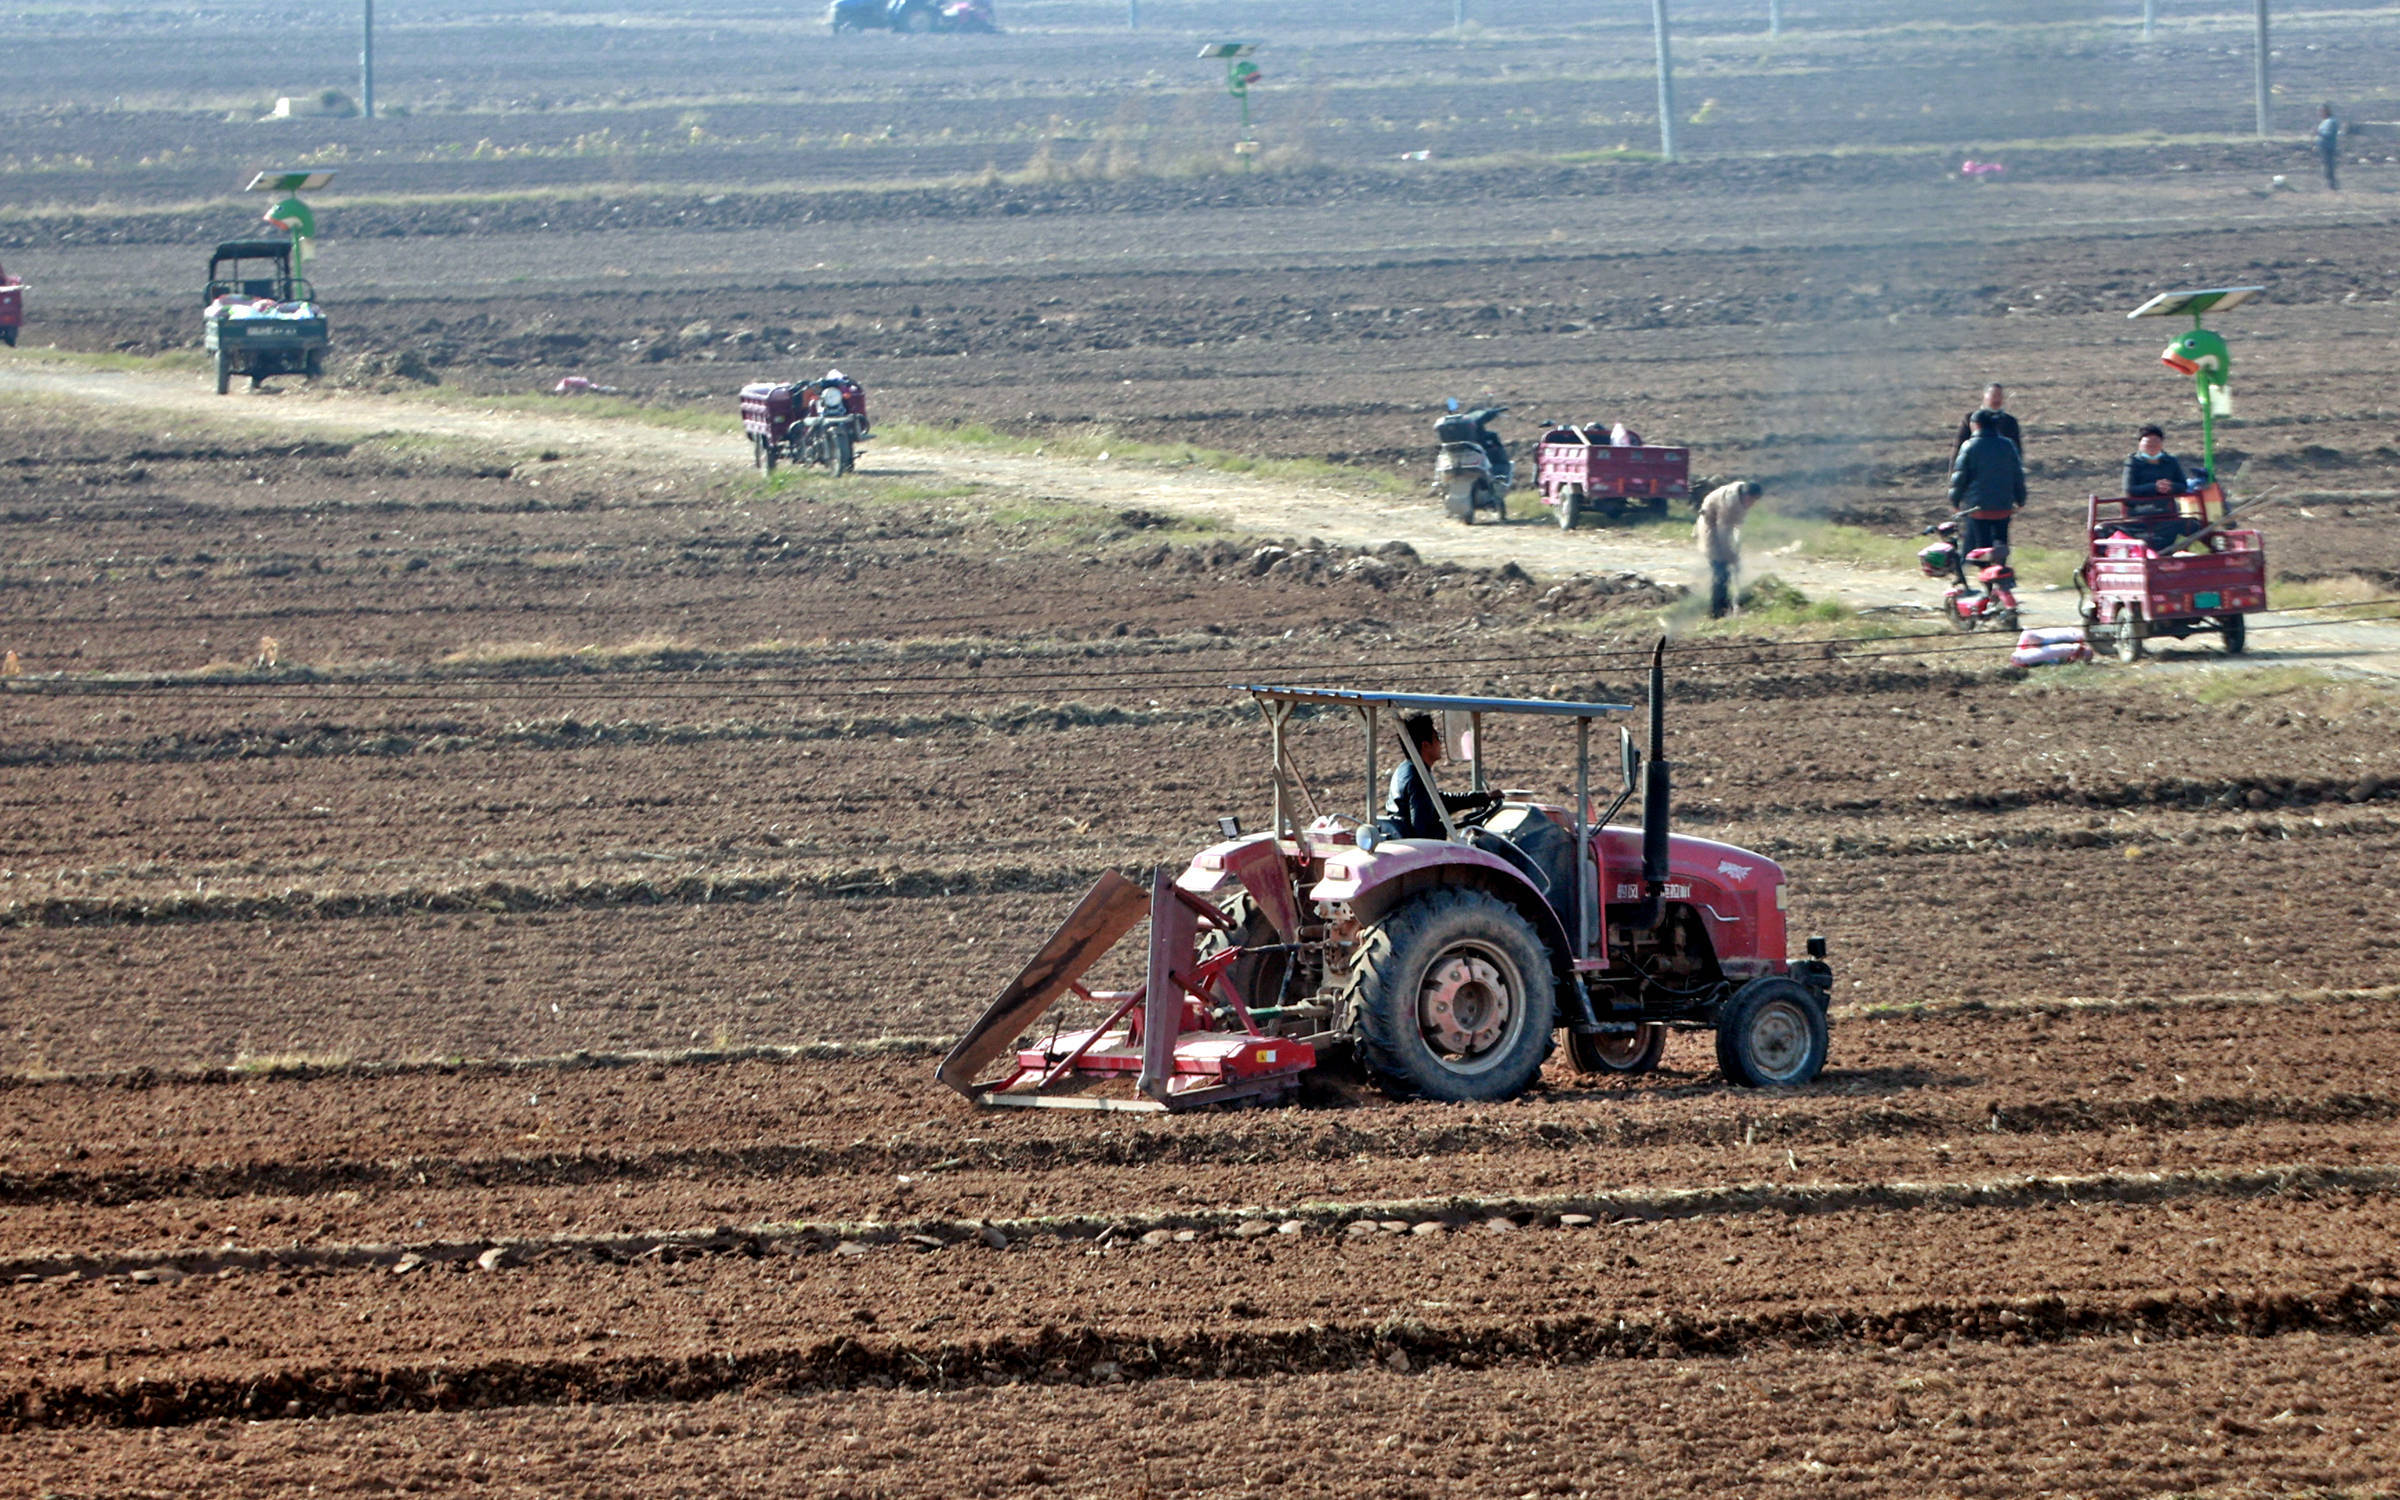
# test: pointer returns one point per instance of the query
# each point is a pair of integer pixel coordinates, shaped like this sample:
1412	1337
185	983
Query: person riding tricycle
2167	558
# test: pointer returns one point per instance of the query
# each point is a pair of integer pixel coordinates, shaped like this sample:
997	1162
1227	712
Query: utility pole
1774	19
2149	17
366	64
2263	109
1133	15
1458	16
1666	80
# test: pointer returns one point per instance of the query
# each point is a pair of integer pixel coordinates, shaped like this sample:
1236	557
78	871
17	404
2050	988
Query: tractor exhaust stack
1655	788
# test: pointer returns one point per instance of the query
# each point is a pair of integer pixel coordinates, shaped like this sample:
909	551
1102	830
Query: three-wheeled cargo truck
1580	472
259	319
2169	565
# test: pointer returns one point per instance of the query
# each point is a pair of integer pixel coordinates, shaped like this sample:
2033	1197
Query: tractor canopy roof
1433	702
277	250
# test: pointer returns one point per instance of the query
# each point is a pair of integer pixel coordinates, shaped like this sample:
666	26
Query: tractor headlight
1368	837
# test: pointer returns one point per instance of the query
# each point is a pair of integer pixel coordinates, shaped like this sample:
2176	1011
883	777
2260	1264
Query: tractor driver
1410	808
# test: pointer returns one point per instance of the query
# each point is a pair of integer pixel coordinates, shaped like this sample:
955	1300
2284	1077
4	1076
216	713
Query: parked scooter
1993	606
1474	471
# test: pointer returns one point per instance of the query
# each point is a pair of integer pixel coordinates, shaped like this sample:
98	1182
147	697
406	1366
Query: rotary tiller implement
1445	964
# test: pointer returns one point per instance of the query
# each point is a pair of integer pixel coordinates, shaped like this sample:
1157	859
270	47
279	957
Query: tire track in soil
1089	1356
1306	1141
1561	1212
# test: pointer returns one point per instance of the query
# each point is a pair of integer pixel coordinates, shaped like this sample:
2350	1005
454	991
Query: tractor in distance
1444	967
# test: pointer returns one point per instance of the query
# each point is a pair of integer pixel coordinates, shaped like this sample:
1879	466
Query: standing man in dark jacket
1988	482
1993	399
2329	144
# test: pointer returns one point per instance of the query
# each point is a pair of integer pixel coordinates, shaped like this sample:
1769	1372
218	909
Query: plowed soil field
480	906
492	1043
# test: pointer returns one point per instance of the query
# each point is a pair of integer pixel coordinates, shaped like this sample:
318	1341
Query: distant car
912	15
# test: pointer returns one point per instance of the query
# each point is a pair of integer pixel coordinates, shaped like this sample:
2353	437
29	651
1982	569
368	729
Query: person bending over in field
1719	533
1410	808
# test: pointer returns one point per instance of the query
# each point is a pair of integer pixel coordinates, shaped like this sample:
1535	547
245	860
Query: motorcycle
834	427
1473	471
1990	607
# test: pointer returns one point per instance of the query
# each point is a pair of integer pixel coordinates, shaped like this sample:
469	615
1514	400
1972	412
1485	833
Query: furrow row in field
1303	1139
2298	1181
1089	1356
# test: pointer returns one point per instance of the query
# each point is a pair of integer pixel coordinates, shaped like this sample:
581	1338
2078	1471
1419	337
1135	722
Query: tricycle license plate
2208	601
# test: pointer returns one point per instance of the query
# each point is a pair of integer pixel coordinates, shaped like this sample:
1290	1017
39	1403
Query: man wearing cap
1988	483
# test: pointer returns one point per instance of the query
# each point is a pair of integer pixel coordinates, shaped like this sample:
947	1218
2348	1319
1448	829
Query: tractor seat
1543	851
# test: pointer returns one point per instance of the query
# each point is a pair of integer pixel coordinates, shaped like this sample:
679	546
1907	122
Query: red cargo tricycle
1579	471
2169	565
12	308
819	422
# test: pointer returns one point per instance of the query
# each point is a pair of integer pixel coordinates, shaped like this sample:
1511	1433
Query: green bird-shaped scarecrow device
2201	354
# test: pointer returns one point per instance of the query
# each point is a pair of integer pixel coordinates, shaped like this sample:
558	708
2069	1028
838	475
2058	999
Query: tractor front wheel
1626	1054
8	335
1452	998
224	370
845	451
1771	1034
1570	508
2236	631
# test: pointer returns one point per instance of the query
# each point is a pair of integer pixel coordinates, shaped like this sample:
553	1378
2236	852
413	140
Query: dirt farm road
1245	504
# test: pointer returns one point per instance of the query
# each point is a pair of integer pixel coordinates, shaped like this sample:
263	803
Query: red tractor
1444	967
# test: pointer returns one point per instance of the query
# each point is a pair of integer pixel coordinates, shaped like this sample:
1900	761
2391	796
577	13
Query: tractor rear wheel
1625	1054
2130	632
2236	631
1570	508
1452	998
1771	1034
8	335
